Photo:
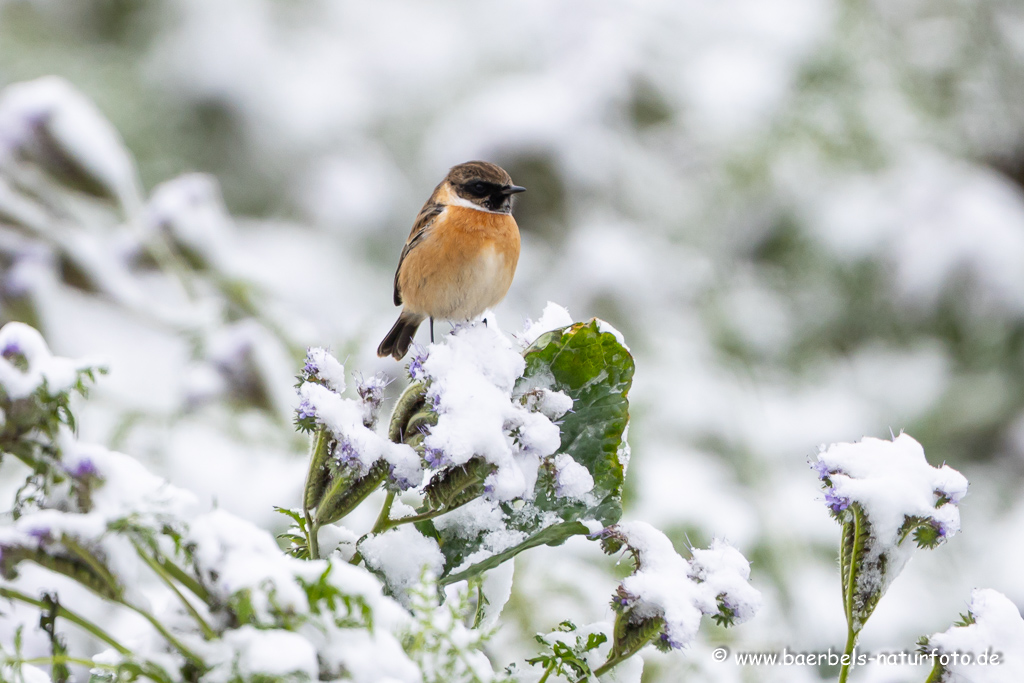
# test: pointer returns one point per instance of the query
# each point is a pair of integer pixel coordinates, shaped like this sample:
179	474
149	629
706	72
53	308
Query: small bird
460	256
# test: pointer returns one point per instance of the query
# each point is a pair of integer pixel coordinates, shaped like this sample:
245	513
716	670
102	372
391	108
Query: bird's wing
424	220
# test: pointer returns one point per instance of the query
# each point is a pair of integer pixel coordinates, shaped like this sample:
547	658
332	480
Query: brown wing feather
424	220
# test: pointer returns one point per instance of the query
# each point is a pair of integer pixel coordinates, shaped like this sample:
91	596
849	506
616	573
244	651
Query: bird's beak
512	189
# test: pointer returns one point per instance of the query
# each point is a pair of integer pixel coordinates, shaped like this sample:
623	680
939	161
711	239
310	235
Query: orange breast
463	266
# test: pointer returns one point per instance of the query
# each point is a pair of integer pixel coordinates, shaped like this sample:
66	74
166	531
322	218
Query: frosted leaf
26	363
48	118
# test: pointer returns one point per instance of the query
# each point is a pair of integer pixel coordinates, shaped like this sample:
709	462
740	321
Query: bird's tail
396	343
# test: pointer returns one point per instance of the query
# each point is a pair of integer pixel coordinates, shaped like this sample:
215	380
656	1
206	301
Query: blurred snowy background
806	216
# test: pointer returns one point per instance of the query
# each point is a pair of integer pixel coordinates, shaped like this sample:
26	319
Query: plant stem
93	563
208	632
184	579
312	541
851	642
423	516
177	644
147	669
384	518
547	672
61	659
481	600
851	580
74	618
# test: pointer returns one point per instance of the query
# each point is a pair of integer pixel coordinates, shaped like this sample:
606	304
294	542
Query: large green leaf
596	371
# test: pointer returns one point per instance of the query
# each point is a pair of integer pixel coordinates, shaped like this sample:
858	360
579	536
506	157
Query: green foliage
562	658
596	371
442	644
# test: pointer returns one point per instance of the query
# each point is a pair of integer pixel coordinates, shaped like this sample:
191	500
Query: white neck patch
456	200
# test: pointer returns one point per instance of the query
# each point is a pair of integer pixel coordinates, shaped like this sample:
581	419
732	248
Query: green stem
480	602
312	533
147	669
74	618
547	672
384	518
423	516
93	563
175	643
848	597
616	658
613	661
851	642
61	659
208	632
184	579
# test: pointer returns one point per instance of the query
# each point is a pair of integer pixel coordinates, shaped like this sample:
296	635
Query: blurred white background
805	215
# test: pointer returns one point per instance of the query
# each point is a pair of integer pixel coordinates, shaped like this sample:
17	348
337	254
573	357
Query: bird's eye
478	188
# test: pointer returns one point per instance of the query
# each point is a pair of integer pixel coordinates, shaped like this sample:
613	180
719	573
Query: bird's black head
486	186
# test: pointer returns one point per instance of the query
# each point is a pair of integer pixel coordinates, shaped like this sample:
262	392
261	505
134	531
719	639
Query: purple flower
435	457
836	502
943	528
433	397
41	534
371	389
416	361
400	481
84	469
346	454
10	349
306	409
821	468
674	644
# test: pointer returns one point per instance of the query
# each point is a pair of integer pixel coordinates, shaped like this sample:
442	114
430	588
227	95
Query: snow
551	404
472	519
572	480
892	481
235	556
553	317
402	556
998	630
707	177
497	589
326	367
74	125
666	585
268	652
359	445
470	381
18	340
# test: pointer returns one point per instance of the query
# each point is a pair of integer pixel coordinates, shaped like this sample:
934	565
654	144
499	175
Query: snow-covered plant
889	500
221	601
985	646
664	598
491	452
501	450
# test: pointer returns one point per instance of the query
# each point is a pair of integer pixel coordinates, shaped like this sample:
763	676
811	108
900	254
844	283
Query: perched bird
460	256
